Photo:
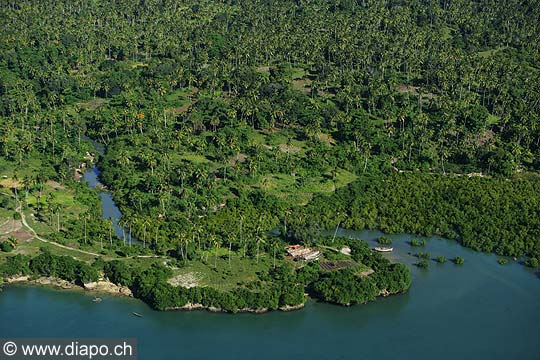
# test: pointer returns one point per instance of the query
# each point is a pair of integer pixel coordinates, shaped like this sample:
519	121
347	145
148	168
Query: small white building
301	253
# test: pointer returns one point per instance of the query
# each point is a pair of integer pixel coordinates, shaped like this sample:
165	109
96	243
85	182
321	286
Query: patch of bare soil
22	235
416	90
92	104
55	185
239	158
326	138
9	183
408	89
187	280
289	148
303	85
10	226
180	109
263	69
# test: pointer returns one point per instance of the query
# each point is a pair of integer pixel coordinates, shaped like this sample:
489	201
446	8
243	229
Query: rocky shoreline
107	287
104	286
193	307
101	286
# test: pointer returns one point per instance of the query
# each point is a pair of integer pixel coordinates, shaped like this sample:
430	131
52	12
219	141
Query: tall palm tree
85	219
216	244
259	241
230	246
275	245
110	223
145	222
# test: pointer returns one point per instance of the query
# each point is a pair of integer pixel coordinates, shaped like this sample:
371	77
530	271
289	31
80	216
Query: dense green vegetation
532	262
346	287
277	287
418	242
383	240
493	215
47	264
8	245
235	128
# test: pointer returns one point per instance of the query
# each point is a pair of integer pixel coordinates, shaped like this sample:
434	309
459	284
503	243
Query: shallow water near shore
480	310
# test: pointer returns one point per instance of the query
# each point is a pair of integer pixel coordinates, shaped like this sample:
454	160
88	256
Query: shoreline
105	287
100	287
199	307
108	288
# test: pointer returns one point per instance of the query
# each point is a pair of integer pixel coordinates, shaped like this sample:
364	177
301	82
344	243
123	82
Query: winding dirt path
35	235
25	224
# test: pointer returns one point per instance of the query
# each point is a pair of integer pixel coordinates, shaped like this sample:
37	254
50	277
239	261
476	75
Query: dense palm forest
224	120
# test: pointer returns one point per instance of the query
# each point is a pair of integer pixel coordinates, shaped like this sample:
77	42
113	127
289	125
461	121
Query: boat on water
137	314
97	299
384	249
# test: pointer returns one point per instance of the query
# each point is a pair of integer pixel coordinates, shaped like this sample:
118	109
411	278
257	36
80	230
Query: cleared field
300	190
225	275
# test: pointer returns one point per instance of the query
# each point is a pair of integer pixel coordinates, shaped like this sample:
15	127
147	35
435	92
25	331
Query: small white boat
97	299
384	249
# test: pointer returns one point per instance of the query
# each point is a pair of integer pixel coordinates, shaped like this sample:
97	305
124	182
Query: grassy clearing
327	138
258	137
191	157
225	276
298	73
300	199
141	263
92	104
303	85
6	214
53	196
280	182
492	119
300	190
33	247
9	169
70	209
179	101
134	64
286	139
42	228
344	178
490	52
50	197
179	97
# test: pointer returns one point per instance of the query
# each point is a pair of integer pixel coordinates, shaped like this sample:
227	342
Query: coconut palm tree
259	241
216	244
275	246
